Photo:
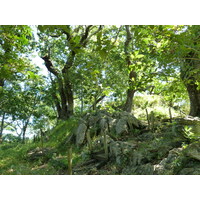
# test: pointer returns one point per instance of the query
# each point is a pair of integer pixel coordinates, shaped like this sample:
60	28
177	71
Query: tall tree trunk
96	101
194	96
24	130
64	106
130	93
2	126
132	75
190	76
66	100
68	87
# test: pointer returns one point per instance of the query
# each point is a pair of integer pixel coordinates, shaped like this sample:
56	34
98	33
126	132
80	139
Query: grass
156	104
13	156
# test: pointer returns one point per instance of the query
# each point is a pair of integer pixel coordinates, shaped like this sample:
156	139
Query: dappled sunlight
99	99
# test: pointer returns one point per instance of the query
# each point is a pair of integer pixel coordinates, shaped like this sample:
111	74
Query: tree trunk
2	126
68	86
132	75
69	157
130	92
70	101
66	107
96	101
194	96
190	76
24	131
64	104
129	100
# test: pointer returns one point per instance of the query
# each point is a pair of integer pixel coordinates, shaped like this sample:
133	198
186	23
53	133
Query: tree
14	41
190	70
61	46
136	59
180	52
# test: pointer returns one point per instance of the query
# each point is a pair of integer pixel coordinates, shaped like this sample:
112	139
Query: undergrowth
13	156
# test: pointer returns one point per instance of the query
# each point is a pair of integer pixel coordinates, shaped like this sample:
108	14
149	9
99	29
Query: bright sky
36	59
40	63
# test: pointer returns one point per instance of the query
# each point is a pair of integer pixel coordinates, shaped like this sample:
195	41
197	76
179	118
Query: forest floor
170	148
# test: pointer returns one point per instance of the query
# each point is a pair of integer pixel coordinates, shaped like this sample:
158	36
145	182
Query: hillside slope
168	148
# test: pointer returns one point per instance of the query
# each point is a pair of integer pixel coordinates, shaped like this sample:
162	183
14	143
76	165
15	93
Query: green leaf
103	53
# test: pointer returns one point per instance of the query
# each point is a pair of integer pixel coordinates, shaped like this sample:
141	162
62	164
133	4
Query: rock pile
102	122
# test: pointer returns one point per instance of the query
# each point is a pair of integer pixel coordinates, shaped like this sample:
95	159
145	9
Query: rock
99	155
137	158
121	127
111	124
99	141
92	120
115	149
119	150
146	169
126	123
103	126
166	165
191	122
102	122
193	151
146	136
130	119
190	171
80	133
108	139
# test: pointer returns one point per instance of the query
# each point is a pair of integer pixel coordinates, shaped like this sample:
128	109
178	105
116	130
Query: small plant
189	134
184	145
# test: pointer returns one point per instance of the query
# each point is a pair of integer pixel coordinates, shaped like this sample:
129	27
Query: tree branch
49	65
98	100
95	32
127	42
67	34
191	58
85	35
116	35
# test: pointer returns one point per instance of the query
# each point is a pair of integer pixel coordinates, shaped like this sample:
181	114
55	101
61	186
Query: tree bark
130	93
69	157
132	75
65	104
2	126
96	101
24	130
190	76
68	87
194	96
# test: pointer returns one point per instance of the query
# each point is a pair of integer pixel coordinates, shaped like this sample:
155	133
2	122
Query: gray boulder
121	127
119	150
166	165
132	121
80	133
103	126
146	169
193	151
190	171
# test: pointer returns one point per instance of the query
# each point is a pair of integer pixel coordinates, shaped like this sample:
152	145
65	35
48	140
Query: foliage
90	67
